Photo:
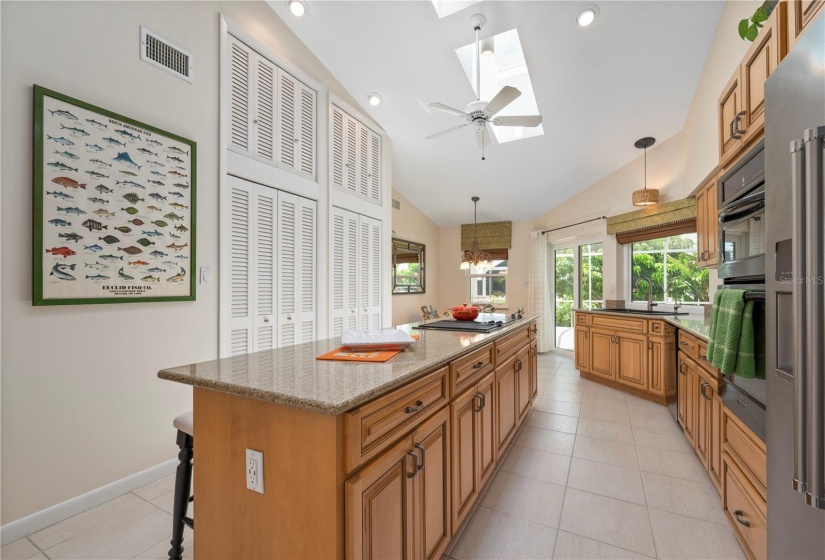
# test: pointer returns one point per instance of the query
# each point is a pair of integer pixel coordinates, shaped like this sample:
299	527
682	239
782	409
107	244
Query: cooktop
480	326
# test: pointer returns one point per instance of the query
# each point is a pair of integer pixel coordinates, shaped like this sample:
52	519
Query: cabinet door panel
505	398
703	411
715	447
337	149
432	483
287	86
485	430
631	360
464	453
655	363
582	349
534	371
305	130
757	66
266	110
601	352
523	381
729	107
711	224
288	252
374	171
240	97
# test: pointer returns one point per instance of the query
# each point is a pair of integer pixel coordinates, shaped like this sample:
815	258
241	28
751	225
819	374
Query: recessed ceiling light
374	99
297	7
587	15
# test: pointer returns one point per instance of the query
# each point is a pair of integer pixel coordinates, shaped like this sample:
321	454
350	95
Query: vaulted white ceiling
631	74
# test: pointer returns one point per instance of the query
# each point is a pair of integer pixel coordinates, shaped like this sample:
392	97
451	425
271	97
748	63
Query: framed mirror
407	267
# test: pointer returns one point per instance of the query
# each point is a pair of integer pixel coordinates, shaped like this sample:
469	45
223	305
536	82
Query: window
590	276
577	282
489	285
670	262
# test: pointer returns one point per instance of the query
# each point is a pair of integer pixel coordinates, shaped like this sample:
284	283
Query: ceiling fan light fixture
297	7
374	99
587	15
645	196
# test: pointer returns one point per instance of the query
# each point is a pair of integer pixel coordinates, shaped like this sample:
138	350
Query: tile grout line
43	552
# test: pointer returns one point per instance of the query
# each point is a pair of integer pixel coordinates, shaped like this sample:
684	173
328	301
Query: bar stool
183	483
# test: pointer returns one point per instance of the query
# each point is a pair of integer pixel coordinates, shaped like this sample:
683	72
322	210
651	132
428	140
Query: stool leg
183	485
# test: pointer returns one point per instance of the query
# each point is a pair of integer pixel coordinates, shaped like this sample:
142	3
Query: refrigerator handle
815	371
800	459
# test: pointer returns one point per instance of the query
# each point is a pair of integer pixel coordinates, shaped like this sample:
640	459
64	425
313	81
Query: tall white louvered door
240	97
263	293
266	111
241	257
374	303
305	124
355	157
307	284
374	170
351	282
364	261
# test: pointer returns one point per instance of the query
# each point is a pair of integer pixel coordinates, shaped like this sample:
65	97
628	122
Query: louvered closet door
338	252
287	126
241	268
240	97
374	192
306	273
337	168
288	252
351	272
364	269
266	110
305	133
350	155
265	268
374	302
363	161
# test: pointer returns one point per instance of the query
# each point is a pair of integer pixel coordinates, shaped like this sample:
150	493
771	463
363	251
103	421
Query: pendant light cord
645	167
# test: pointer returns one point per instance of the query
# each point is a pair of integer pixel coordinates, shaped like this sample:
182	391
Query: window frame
470	276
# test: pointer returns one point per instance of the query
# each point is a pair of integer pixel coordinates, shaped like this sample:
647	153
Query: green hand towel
725	329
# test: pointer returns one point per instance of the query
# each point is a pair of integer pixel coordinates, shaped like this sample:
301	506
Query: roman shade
491	235
663	220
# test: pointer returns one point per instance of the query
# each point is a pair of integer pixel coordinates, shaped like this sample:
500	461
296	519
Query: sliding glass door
577	283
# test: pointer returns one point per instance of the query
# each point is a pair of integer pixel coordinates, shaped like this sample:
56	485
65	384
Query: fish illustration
73	210
94	248
129	173
114	141
157	254
59	271
154	233
181	168
145	242
138	263
172	216
78	131
96	266
145	151
97	175
59	223
69	183
156	269
136	222
130	184
96	200
97	277
153	142
177	277
176	150
103	189
100	162
160	223
181	257
158	183
170	263
109	239
124	275
153	208
123	229
151	279
58	194
94	225
64	114
131	250
173	172
158	173
179	206
111	258
182	228
132	198
103	213
125	159
61	251
156	196
71	236
156	163
176	194
67	155
61	166
173	158
131	210
173	236
181	185
61	140
177	247
94	122
127	134
94	147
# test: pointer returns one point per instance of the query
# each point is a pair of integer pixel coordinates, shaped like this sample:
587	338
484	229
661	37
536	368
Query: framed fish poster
114	207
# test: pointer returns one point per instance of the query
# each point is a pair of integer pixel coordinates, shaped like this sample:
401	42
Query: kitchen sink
642	312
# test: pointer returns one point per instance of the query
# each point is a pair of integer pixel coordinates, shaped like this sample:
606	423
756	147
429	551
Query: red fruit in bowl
464	312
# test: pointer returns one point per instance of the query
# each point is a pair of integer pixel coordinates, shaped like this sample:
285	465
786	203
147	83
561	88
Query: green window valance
662	214
491	235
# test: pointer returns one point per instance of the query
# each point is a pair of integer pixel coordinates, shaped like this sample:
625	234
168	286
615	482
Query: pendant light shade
645	196
474	255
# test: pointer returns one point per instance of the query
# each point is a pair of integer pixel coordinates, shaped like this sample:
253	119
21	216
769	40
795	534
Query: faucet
650	304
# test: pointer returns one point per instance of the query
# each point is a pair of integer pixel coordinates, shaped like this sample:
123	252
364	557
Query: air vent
163	54
396	204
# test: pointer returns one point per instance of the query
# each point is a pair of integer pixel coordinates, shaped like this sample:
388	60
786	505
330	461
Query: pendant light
474	255
645	196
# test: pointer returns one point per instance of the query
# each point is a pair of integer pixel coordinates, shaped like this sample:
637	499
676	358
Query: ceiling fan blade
483	137
522	120
443	132
446	109
503	98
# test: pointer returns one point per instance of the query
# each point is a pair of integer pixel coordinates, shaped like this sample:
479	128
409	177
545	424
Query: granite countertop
696	325
293	377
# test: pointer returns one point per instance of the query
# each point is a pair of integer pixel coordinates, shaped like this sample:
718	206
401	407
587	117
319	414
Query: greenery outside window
670	262
591	291
489	285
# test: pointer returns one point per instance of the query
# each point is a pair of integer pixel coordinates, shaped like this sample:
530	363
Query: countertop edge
673	320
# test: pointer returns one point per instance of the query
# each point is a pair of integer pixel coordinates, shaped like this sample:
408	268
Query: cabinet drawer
534	329
582	318
627	324
746	518
506	345
659	328
687	344
470	368
746	450
702	353
374	426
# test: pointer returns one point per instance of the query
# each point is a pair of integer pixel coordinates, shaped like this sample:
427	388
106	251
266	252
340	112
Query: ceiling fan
479	113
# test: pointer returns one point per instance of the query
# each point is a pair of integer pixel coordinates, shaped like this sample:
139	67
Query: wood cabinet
730	111
688	393
704	409
534	370
715	447
582	352
799	14
661	360
355	157
505	396
707	224
431	487
522	366
630	359
601	353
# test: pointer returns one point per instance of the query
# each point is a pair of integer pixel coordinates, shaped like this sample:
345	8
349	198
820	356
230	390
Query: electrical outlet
255	470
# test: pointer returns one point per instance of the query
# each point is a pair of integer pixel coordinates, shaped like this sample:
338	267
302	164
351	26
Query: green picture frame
144	186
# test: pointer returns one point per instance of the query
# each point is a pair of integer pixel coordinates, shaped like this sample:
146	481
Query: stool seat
185	423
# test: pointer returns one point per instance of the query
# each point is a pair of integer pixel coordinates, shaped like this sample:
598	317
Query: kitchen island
361	460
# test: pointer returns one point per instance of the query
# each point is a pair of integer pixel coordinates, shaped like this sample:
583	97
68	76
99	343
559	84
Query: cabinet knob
289	317
297	140
266	320
741	520
478	365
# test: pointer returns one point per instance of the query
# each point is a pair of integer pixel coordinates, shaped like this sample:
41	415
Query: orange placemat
344	354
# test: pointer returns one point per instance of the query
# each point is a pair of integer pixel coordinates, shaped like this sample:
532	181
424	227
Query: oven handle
800	463
742	207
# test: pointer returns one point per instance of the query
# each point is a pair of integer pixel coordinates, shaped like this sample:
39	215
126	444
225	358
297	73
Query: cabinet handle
736	129
423	455
413	409
478	365
414	455
683	343
682	367
702	390
738	515
703	357
480	398
266	319
586	334
483	400
518	365
730	129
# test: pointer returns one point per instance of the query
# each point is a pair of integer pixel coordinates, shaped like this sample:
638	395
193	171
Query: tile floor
595	473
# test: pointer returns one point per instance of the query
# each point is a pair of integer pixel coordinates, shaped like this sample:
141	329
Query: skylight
445	8
504	67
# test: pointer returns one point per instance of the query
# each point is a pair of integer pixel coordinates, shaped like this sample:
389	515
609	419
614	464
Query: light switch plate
205	276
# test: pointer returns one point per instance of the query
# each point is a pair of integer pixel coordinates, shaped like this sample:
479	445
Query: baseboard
10	532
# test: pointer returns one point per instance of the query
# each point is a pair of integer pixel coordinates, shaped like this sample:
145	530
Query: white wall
81	403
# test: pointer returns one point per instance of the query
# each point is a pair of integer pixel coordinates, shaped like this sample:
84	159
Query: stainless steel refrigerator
795	282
